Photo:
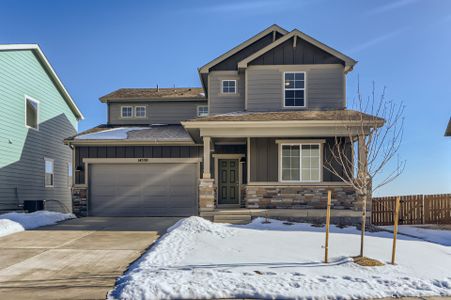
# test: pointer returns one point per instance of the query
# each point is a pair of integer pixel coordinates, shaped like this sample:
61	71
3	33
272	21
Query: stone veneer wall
307	197
206	195
80	201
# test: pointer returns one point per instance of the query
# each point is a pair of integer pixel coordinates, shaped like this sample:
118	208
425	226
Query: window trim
122	112
228	93
197	110
145	111
37	112
70	174
321	163
53	172
294	89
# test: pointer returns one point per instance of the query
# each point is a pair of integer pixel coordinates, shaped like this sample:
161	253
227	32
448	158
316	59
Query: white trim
46	159
197	110
37	112
310	141
140	160
320	166
294	89
135	110
229	93
122	112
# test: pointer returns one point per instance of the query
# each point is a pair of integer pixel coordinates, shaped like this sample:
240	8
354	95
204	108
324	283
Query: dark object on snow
33	205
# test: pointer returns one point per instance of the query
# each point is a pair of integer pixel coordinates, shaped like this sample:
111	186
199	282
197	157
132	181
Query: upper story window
140	111
31	113
229	86
294	93
202	110
300	162
49	172
126	111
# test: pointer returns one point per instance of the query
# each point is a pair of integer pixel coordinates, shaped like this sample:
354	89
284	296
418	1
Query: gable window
126	111
300	162
294	89
49	172
31	113
69	174
202	110
229	86
140	111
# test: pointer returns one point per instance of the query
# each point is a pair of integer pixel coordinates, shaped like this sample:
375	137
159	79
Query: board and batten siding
325	86
167	112
264	160
220	103
22	150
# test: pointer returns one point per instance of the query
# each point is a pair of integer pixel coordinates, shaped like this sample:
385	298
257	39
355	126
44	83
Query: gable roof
272	28
155	94
349	62
40	55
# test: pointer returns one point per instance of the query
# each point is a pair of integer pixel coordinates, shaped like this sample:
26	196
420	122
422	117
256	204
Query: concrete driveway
76	259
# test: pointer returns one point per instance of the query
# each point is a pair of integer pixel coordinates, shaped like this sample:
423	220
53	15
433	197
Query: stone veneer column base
80	201
307	197
206	195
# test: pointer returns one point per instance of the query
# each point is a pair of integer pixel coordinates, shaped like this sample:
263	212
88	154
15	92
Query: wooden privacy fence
415	209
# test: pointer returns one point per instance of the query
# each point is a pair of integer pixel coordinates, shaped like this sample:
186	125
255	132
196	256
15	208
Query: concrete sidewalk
76	259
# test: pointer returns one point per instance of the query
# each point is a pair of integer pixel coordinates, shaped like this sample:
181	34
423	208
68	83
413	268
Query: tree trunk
362	230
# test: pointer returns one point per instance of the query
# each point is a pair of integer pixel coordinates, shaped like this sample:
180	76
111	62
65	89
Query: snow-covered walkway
200	259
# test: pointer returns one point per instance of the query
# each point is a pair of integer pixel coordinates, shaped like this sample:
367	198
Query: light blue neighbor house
36	114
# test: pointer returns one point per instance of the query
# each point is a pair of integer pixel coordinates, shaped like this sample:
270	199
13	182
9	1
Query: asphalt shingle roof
154	93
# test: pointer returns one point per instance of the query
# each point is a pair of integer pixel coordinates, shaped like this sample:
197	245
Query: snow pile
14	222
198	259
442	237
119	133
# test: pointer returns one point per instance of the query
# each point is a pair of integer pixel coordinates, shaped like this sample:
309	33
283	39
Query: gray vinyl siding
167	112
264	160
130	152
220	103
325	87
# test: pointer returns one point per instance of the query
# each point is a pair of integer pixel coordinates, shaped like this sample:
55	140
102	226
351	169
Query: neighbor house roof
40	55
448	129
155	93
135	133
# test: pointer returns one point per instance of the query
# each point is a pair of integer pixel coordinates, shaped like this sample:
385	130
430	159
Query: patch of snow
14	222
119	133
442	237
199	259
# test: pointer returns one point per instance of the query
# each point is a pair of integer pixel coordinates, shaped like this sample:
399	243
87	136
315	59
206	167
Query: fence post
326	248
395	229
422	210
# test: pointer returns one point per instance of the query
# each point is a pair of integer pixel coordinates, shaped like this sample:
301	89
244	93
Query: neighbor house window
300	162
202	110
229	86
294	93
140	111
31	113
69	174
126	111
49	172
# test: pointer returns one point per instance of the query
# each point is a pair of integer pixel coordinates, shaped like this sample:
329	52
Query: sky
98	46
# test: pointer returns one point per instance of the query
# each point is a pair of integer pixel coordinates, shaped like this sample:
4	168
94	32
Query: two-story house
256	135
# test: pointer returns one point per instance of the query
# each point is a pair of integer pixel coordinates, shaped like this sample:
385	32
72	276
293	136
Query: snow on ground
438	236
200	259
15	222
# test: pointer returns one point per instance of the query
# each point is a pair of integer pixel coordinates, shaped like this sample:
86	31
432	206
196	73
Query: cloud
390	6
376	40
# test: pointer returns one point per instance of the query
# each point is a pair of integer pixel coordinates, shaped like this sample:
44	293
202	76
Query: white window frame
320	175
229	93
145	111
37	112
294	89
46	159
122	112
70	174
198	113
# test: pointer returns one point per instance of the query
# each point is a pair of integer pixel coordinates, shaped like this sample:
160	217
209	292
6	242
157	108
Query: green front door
228	182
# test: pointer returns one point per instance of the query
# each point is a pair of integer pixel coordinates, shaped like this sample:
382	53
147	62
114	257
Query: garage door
158	189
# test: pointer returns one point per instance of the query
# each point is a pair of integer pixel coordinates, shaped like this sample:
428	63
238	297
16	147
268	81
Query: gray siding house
37	114
255	136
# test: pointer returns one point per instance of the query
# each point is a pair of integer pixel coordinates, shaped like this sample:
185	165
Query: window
31	113
49	175
294	93
300	162
140	111
202	110
229	86
126	111
69	174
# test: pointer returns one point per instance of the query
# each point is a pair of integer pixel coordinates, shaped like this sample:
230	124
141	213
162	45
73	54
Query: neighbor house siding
325	86
168	112
82	152
22	150
220	103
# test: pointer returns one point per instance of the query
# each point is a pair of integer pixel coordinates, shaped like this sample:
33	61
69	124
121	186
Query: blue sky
405	45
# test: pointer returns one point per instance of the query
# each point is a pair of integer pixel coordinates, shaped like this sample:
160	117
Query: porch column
206	174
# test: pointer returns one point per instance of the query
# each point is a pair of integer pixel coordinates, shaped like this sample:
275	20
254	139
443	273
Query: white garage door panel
166	189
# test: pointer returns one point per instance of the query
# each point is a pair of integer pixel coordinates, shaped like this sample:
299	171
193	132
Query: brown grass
367	262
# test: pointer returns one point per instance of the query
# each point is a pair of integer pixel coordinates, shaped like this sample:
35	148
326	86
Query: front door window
228	182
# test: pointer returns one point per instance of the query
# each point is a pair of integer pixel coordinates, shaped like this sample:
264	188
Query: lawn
200	259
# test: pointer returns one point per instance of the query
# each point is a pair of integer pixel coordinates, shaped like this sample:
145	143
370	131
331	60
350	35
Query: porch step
232	218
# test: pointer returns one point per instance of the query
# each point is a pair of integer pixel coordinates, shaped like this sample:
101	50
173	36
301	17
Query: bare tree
366	147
